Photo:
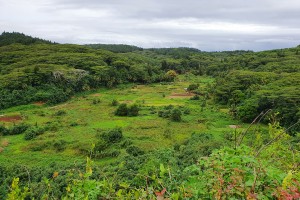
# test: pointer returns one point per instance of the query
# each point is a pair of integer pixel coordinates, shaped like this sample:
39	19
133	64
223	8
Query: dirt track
10	118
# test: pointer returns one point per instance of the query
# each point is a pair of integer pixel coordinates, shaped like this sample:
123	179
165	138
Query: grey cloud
207	25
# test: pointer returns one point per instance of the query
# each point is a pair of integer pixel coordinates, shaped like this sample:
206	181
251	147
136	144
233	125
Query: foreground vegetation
121	122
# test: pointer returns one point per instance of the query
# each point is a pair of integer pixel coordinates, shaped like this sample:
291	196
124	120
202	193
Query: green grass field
83	118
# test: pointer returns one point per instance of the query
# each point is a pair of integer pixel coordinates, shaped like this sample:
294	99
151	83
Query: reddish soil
182	95
39	103
10	118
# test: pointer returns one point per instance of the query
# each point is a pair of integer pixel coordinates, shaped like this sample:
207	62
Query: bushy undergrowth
173	113
13	130
124	110
200	168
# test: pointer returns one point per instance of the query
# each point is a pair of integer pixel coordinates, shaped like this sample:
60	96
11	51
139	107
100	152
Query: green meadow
82	118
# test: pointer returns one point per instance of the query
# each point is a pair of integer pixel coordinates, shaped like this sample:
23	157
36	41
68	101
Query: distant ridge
116	48
7	38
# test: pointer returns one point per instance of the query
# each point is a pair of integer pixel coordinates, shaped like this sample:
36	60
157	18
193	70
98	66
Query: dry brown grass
4	143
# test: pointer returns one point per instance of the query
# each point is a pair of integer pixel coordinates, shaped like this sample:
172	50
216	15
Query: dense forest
260	162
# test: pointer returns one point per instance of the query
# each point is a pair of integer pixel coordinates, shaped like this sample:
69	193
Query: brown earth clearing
10	118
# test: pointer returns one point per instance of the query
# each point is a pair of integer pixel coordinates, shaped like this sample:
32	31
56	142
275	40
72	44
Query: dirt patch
181	95
39	103
4	143
10	118
96	95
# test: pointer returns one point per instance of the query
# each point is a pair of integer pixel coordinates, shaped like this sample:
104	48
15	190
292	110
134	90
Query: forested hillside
117	48
246	81
7	38
121	122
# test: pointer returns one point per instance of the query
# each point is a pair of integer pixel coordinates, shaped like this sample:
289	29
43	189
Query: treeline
7	38
53	73
116	48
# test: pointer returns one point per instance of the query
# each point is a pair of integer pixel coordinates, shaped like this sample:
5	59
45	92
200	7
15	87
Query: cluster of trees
117	48
249	93
124	110
53	73
7	38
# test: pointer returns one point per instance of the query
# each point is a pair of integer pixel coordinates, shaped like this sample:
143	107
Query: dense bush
114	102
195	97
176	115
133	110
172	113
192	87
14	130
112	136
60	145
107	153
134	151
33	132
60	113
124	110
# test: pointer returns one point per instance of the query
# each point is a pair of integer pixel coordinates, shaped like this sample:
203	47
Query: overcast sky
210	25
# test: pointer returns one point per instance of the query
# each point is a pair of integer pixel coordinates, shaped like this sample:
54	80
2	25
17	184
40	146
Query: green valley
123	122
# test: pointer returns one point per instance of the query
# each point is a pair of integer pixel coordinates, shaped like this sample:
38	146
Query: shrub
3	130
168	133
15	130
122	110
101	145
52	126
74	124
133	110
193	87
59	145
170	75
18	129
112	136
176	115
126	143
60	113
39	147
96	101
195	97
107	153
134	151
187	111
114	102
29	135
33	132
152	110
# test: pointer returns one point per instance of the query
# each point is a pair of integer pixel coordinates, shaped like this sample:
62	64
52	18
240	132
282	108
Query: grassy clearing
87	113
